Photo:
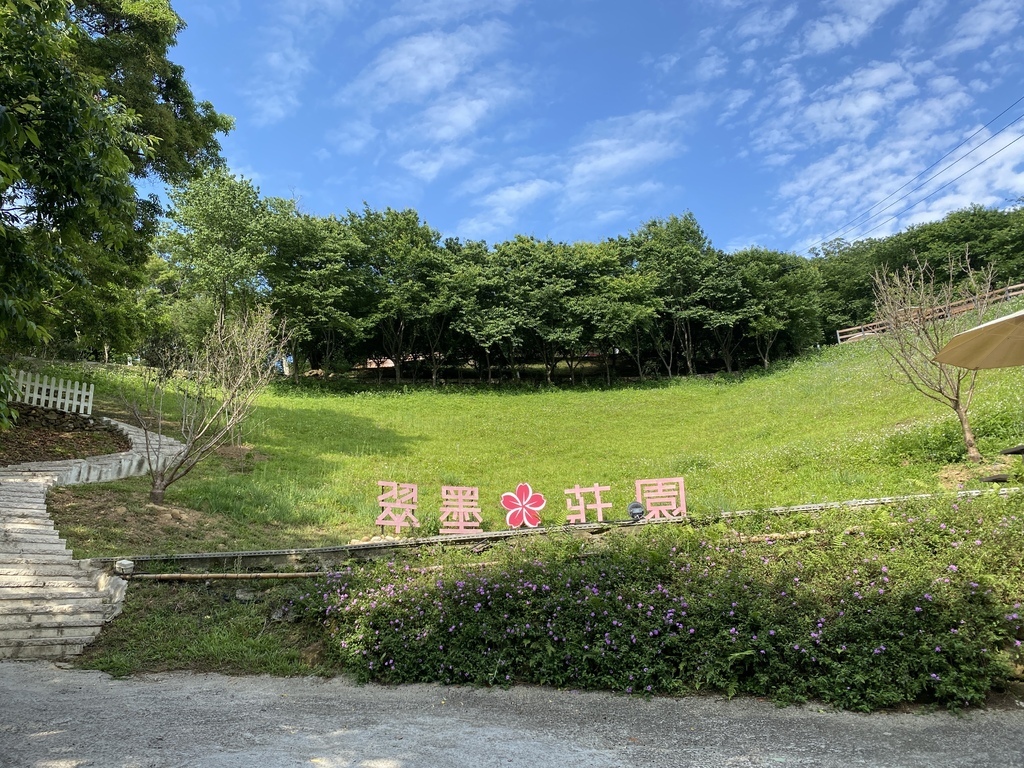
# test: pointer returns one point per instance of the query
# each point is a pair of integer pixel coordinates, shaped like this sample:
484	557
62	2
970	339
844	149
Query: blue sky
776	123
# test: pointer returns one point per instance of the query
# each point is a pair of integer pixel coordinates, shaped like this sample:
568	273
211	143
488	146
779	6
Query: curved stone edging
100	469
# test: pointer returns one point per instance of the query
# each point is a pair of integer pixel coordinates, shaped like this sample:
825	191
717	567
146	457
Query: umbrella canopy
996	344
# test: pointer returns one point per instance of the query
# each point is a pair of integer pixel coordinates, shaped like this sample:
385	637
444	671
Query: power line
936	175
922	173
935	192
852	223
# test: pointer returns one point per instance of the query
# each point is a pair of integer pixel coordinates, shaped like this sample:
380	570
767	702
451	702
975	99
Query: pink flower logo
523	507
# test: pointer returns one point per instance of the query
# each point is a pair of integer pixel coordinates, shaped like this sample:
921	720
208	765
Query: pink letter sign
663	498
523	507
581	507
398	505
460	509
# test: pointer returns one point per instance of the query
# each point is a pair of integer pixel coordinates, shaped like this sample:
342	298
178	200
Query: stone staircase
51	605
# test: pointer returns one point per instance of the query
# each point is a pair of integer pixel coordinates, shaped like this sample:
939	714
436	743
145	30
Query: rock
246	595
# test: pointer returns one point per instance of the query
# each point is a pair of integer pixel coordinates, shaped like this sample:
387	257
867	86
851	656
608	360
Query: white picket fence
50	392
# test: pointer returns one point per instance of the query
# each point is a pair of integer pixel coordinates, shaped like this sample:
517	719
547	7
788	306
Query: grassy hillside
832	426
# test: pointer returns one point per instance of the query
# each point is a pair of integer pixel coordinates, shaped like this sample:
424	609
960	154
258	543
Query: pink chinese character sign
460	509
664	498
580	506
523	507
398	505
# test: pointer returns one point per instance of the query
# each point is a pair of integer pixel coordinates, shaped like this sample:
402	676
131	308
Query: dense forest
93	270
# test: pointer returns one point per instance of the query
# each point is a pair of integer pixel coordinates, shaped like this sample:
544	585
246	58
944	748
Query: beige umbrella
996	344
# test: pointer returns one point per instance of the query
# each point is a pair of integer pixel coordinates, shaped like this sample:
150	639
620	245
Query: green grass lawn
830	427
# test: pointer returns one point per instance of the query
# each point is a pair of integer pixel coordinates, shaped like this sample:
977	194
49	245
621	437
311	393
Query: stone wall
36	416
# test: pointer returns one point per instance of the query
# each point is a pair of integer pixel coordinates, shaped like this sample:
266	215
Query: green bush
894	614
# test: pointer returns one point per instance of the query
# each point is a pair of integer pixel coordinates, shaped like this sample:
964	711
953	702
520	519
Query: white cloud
458	114
428	164
409	15
853	20
920	18
298	30
353	136
984	22
764	26
503	204
712	65
856	106
418	67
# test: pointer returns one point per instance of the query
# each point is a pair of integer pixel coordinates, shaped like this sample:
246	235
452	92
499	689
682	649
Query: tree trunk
156	493
973	454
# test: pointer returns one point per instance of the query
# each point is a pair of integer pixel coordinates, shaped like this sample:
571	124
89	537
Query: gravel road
56	717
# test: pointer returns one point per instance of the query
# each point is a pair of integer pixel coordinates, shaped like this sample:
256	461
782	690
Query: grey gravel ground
53	717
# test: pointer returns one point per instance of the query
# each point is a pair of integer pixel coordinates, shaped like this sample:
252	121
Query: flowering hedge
919	606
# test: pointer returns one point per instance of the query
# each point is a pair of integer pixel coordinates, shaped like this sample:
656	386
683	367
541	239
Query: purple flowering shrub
889	615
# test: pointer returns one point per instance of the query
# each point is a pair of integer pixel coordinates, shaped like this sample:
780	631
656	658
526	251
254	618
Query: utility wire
935	192
842	230
936	175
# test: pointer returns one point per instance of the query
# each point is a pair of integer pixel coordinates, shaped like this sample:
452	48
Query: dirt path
51	717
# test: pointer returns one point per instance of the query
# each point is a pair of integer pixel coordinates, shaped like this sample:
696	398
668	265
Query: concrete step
18	506
45	647
78	581
21	610
30	548
46	620
42	652
36	558
40	594
33	632
70	568
29	536
12	521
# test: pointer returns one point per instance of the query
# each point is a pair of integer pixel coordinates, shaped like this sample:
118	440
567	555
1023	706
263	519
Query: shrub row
921	605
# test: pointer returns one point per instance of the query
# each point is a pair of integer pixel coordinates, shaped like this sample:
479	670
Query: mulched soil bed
26	443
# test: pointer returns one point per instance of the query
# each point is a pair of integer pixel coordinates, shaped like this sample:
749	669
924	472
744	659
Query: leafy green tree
404	252
318	281
783	291
620	304
725	307
677	254
847	290
218	239
125	47
64	164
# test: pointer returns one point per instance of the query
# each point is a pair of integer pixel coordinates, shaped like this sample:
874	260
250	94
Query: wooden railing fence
858	332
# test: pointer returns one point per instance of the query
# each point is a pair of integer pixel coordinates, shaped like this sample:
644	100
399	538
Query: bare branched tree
921	314
216	389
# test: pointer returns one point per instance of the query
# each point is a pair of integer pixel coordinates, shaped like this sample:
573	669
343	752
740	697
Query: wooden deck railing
858	332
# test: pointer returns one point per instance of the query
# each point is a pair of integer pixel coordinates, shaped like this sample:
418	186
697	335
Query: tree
216	391
726	307
403	251
783	289
64	164
678	255
318	281
218	239
125	46
921	315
